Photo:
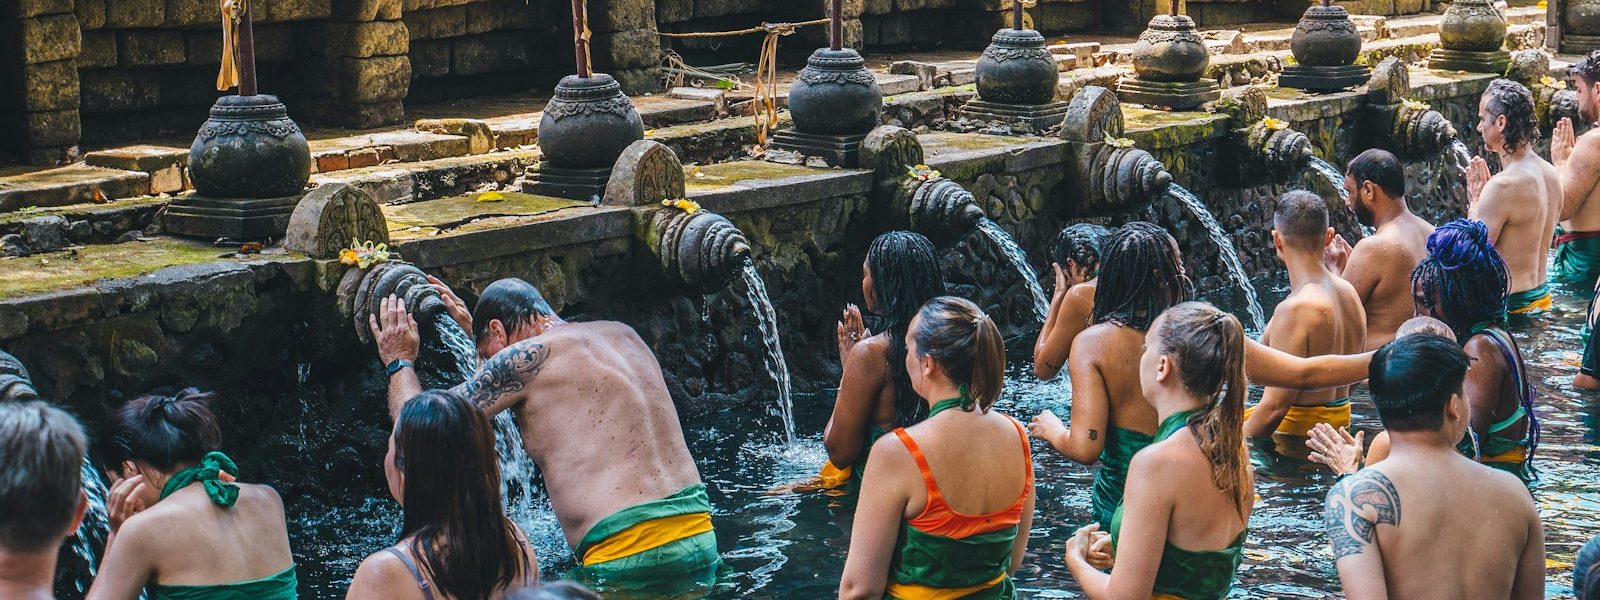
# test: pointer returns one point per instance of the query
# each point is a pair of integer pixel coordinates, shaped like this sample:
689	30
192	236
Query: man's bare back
1319	317
1521	205
595	415
1440	525
1380	267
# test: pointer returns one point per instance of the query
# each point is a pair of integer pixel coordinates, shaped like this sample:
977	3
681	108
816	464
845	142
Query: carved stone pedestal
836	150
1037	116
1492	61
1168	94
562	182
1323	79
193	215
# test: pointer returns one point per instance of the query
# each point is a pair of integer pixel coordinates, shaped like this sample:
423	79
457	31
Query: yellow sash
1542	304
647	535
1514	456
1300	419
917	591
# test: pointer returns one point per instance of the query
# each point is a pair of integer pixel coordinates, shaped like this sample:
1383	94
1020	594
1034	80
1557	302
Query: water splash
1225	249
755	290
1008	248
90	538
1332	174
1462	157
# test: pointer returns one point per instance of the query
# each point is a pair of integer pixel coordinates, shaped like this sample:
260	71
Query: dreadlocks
1463	281
1080	242
905	275
1513	101
1140	276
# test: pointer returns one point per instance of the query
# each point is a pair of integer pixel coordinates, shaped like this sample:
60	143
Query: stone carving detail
1390	83
646	173
278	128
14	381
619	105
889	150
330	217
703	249
1092	114
815	76
939	208
1338	26
1003	54
361	292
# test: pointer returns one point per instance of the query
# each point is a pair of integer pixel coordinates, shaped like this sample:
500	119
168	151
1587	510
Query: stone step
165	164
74	184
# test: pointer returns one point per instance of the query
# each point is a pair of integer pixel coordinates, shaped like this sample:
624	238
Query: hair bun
1461	243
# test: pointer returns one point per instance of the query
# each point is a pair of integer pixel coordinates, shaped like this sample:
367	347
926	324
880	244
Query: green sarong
665	546
273	587
1121	444
1529	301
1577	257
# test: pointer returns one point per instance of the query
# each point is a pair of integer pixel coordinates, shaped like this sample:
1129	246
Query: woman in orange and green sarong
946	505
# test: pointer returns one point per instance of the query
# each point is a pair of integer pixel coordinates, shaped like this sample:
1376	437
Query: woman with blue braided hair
1463	282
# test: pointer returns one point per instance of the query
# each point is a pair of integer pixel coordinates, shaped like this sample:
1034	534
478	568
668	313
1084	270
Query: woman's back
191	541
1109	348
972	483
397	573
1204	518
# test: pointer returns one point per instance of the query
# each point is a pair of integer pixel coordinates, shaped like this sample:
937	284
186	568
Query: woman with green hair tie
182	527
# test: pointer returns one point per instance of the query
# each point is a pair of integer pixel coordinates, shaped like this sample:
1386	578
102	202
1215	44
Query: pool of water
779	543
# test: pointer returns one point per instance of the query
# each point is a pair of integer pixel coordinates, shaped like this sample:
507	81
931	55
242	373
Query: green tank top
1109	479
273	587
1189	574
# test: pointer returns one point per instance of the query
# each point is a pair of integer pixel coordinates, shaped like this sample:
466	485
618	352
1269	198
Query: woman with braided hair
900	274
1077	264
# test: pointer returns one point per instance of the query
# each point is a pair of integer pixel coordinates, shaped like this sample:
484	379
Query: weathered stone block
489	53
135	13
333	162
363	157
48	129
606	16
430	58
437	23
294	10
144	158
150	48
495	15
41	39
627	49
168	180
190	86
364	40
674	11
274	43
638	81
195	13
368	10
34	8
375	79
91	14
119	90
99	50
717	98
47	86
479	138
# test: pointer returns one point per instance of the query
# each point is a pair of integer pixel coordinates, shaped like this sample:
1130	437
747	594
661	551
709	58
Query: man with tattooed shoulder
1428	522
595	414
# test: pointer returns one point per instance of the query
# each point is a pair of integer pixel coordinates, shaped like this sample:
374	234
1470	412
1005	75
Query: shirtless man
1399	529
1578	242
1379	266
595	415
1521	203
1321	315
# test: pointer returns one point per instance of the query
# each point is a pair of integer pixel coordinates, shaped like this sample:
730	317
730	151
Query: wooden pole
836	26
1016	14
247	52
580	24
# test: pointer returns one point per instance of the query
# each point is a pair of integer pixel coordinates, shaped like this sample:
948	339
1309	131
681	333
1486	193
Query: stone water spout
1407	128
1260	149
700	249
14	381
362	290
1550	102
1113	176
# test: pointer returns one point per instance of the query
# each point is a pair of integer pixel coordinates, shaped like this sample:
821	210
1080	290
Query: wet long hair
1140	276
453	512
1080	242
1209	347
905	275
1515	102
164	432
1463	280
965	342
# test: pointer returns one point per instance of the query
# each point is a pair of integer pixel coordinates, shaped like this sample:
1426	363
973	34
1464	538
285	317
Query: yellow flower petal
491	196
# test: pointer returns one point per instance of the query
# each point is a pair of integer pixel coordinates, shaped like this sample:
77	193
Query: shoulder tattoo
1356	506
508	372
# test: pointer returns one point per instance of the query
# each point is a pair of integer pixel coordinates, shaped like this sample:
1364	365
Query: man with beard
1578	240
1380	265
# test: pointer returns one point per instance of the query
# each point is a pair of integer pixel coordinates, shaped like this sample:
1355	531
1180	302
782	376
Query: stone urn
588	122
1171	50
249	148
1016	68
1325	37
1472	25
835	95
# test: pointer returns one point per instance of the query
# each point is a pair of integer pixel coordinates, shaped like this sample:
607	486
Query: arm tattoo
1356	506
508	372
1094	435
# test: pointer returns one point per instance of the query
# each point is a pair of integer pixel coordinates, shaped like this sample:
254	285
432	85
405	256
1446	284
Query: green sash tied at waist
211	467
1109	479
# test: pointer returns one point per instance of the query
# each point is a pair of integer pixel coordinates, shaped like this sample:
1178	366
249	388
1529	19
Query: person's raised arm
1356	506
127	566
1270	367
1091	410
1580	172
1488	208
865	373
876	528
1069	317
1529	584
1295	339
1146	513
503	380
398	341
1485	380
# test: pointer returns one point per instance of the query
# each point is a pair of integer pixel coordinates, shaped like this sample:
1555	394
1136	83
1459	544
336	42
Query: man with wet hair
41	494
595	415
1578	158
1404	528
1379	266
1321	315
1522	202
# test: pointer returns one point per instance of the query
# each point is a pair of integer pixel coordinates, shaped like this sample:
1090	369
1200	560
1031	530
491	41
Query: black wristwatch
396	365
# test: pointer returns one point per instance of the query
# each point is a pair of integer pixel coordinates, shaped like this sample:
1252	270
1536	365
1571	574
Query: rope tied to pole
766	85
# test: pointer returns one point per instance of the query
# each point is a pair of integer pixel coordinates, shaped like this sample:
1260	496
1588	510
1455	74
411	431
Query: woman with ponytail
900	274
946	504
182	527
1180	530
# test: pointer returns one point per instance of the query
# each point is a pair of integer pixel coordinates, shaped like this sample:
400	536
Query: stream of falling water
755	291
1225	249
1462	156
90	538
1008	247
1336	179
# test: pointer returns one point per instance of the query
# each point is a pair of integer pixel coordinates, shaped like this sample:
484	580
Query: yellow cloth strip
832	476
1516	456
232	18
647	535
1300	419
1164	597
917	591
1541	304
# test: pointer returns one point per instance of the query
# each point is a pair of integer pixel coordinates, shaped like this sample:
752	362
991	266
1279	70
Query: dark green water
779	544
